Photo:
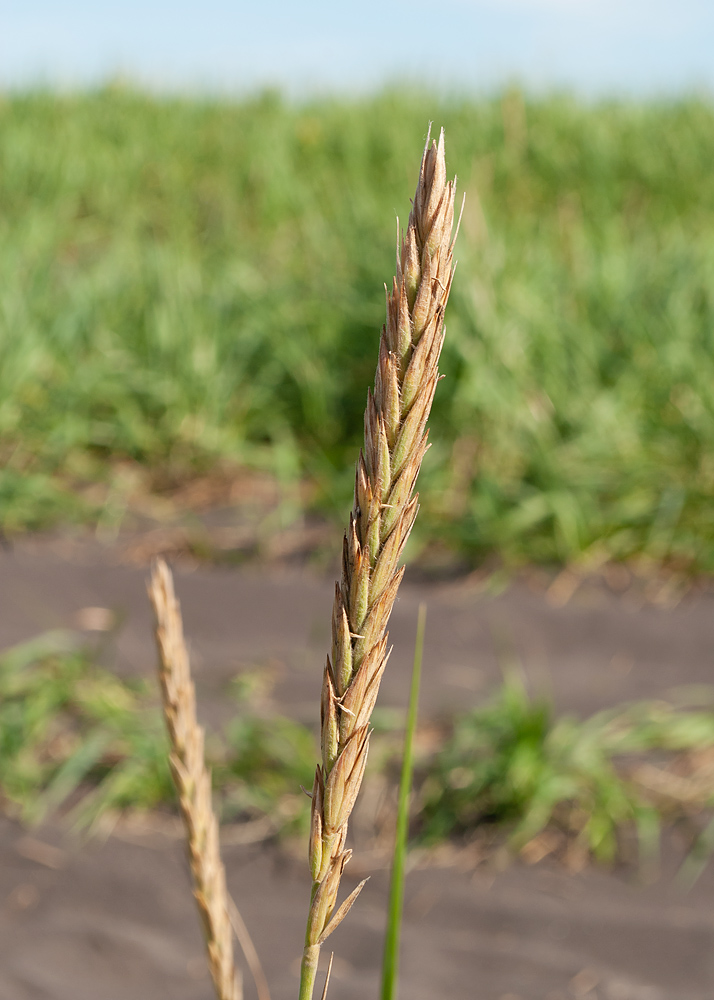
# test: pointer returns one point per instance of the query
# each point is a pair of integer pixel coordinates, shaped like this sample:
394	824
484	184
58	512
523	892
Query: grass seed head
382	518
193	784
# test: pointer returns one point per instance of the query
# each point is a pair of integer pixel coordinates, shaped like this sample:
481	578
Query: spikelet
395	441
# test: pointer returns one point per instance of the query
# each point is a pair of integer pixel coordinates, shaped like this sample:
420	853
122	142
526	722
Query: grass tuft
511	765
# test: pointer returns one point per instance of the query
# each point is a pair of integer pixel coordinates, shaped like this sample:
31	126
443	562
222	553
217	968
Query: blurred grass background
80	744
190	283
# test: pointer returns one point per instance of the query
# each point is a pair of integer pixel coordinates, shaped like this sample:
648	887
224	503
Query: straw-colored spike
193	784
382	518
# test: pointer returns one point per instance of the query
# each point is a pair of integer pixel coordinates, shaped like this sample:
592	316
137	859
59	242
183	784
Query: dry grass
380	523
193	784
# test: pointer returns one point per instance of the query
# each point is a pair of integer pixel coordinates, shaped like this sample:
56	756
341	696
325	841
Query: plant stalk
390	965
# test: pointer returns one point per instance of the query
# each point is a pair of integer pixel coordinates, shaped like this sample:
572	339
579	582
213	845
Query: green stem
310	956
390	965
308	970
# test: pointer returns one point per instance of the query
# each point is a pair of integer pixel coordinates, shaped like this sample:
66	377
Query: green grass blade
390	965
68	777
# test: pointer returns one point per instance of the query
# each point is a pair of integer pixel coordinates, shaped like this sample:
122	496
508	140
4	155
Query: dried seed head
193	784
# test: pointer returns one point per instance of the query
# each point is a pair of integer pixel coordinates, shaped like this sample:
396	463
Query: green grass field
185	283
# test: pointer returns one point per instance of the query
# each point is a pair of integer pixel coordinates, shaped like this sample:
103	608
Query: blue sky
593	46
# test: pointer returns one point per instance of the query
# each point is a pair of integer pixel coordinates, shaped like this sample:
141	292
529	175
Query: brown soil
114	919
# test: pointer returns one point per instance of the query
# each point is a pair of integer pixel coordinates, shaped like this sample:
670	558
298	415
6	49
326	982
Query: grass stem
390	965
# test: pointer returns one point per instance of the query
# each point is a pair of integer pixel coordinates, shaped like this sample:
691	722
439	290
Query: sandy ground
114	920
